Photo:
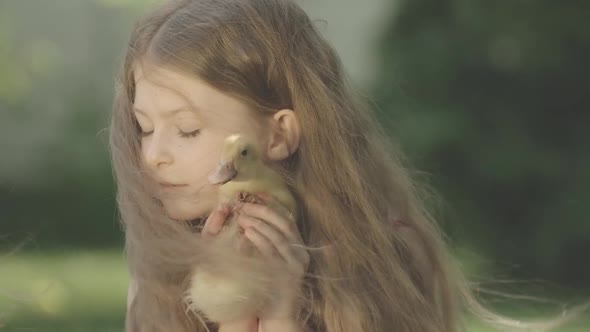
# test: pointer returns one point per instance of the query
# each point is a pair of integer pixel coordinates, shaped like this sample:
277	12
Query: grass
74	291
86	291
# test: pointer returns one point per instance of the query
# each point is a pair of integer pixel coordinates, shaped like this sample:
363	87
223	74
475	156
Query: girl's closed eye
180	133
188	134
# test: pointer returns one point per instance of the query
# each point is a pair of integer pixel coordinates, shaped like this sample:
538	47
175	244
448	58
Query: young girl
365	255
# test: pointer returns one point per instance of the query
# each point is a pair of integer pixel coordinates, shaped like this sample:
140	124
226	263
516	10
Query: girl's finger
263	212
275	203
261	242
274	236
248	325
281	209
215	221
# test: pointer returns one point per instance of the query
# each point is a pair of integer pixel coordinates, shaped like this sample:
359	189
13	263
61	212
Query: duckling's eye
245	152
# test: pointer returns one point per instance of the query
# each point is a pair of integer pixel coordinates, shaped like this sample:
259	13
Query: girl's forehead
165	83
160	88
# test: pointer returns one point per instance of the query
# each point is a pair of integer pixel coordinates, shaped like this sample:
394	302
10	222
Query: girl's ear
284	135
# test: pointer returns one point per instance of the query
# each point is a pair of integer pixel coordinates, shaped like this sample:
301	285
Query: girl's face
184	122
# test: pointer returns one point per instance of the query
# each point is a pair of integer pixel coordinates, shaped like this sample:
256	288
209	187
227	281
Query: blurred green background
490	100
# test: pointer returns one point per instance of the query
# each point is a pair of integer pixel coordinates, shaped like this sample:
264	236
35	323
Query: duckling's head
239	156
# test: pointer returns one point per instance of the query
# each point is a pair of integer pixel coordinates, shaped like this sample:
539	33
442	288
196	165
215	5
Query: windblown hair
349	177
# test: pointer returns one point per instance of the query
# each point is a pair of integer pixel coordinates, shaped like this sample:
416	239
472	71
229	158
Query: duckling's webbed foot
247	197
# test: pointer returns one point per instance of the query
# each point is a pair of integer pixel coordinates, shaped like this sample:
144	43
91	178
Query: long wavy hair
349	176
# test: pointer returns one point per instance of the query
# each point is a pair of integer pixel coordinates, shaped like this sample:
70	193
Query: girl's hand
273	231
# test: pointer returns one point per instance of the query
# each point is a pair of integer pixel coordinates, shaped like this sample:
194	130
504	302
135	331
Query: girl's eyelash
180	133
188	135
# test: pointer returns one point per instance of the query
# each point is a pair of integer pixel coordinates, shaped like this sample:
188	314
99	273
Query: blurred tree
491	99
58	60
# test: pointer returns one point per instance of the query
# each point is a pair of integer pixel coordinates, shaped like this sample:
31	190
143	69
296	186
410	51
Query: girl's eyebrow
170	113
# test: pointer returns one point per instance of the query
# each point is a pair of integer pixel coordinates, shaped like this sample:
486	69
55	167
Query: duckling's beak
224	172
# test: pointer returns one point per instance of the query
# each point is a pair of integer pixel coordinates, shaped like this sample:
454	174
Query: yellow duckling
242	174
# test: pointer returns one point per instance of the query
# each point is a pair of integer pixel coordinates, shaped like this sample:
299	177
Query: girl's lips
167	184
172	186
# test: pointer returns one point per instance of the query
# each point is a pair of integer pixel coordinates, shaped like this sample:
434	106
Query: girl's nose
156	152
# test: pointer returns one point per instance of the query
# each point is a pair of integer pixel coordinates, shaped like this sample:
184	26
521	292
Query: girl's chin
184	211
